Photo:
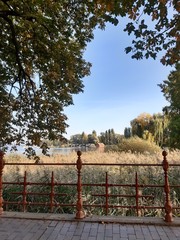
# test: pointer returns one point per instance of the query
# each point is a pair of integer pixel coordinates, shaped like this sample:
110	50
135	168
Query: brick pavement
38	229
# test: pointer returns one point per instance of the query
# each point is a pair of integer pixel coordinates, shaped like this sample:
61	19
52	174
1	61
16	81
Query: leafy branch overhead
154	24
41	52
171	91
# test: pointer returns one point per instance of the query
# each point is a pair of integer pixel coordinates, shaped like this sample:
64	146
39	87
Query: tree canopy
153	128
41	55
154	24
42	65
171	91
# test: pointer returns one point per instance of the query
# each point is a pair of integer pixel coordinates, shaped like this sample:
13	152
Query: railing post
1	176
52	193
168	204
138	194
79	205
107	194
24	202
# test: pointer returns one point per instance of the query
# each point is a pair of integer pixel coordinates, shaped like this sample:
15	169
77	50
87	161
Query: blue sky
118	89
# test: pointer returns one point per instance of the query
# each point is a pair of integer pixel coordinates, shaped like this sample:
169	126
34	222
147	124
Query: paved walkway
15	227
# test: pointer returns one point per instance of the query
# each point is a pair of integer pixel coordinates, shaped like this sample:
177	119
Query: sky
118	89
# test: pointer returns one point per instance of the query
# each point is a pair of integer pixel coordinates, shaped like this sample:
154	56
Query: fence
80	185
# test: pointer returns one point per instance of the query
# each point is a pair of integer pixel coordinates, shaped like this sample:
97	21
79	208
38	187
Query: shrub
138	145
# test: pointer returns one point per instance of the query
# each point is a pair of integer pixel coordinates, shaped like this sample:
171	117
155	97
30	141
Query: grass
94	174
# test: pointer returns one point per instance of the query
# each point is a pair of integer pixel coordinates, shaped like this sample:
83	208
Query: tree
155	25
140	124
93	138
109	137
171	91
42	65
161	129
84	138
76	139
41	56
102	138
127	132
153	128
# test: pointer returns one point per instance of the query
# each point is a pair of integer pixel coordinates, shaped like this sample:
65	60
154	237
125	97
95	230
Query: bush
138	145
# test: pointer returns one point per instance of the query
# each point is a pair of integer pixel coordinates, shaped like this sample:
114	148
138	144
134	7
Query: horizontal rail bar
122	195
123	206
127	206
41	164
41	184
40	204
87	184
41	194
94	164
87	205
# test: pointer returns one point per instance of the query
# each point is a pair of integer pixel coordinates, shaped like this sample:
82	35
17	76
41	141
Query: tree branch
9	21
5	13
21	73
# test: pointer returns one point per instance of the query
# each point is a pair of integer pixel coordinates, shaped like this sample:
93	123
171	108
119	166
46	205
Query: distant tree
109	134
93	138
171	91
84	138
106	137
140	124
102	137
161	129
148	136
113	137
76	139
127	132
109	137
153	128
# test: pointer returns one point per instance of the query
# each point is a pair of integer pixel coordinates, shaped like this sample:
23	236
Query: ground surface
24	226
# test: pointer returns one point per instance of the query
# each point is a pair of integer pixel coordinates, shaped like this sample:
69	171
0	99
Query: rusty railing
80	185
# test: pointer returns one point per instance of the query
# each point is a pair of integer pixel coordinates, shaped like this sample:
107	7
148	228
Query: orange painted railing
80	213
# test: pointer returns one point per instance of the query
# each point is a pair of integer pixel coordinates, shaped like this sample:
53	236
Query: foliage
93	138
154	24
171	91
138	145
84	139
109	137
153	128
127	132
41	53
140	124
42	65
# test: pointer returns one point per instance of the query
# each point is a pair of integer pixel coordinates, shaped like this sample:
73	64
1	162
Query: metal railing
80	185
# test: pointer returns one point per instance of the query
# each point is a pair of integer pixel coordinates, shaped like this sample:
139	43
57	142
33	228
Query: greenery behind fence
92	174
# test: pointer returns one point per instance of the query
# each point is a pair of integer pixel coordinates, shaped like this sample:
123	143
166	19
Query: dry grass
87	157
96	174
101	157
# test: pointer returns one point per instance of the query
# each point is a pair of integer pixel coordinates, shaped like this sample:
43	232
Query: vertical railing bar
107	194
137	194
52	193
168	205
1	180
136	186
24	192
